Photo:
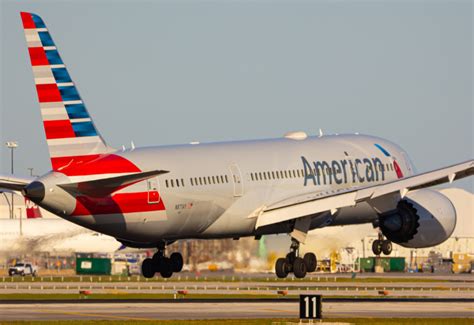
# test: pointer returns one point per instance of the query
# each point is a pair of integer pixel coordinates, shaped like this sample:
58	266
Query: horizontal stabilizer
13	183
106	186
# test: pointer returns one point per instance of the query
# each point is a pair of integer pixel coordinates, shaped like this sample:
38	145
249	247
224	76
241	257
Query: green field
372	321
133	296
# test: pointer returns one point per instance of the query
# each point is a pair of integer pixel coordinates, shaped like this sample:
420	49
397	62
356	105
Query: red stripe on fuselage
48	93
27	20
93	165
116	204
59	162
58	129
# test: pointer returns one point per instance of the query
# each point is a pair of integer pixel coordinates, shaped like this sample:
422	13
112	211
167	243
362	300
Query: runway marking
48	311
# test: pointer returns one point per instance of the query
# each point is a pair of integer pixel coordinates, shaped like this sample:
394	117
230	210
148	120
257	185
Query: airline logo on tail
76	147
70	131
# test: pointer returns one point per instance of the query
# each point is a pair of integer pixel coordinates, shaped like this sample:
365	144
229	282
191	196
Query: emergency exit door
237	180
153	194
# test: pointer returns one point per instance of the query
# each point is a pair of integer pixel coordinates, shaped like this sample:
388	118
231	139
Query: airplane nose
34	191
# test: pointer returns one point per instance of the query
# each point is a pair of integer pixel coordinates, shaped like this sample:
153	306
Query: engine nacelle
424	218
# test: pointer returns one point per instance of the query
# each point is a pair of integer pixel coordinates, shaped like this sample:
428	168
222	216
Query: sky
170	72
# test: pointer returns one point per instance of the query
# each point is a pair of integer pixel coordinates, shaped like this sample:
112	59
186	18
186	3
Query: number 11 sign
310	307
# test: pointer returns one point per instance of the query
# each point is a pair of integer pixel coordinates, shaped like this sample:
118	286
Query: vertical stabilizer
70	132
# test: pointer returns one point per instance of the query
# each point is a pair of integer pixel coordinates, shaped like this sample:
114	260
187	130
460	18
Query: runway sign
311	307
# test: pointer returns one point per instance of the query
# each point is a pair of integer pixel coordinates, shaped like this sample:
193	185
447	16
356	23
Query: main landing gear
295	264
162	264
381	245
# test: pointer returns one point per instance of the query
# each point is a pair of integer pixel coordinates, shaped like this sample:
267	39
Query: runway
229	310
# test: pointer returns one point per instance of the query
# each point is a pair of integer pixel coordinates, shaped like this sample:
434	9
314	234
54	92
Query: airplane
153	196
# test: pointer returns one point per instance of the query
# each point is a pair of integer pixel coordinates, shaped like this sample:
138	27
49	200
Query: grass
122	296
372	321
158	296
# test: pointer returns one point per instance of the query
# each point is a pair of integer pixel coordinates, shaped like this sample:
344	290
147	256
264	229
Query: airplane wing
106	186
313	203
13	183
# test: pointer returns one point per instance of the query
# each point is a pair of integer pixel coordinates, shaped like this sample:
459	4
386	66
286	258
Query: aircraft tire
148	268
310	261
281	268
299	268
166	268
387	247
290	258
377	247
177	262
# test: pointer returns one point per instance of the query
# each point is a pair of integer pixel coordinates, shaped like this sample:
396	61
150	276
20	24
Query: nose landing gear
159	263
295	264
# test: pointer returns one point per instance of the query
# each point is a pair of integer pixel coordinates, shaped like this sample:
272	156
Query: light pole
12	145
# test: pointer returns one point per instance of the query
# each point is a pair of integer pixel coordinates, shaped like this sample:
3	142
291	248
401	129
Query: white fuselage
214	190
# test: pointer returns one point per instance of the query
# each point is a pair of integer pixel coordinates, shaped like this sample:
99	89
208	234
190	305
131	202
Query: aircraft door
153	194
237	180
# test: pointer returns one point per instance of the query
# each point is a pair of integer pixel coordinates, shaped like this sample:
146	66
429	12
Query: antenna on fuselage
320	133
132	145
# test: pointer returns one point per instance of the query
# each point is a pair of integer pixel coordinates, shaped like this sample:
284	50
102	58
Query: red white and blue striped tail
70	132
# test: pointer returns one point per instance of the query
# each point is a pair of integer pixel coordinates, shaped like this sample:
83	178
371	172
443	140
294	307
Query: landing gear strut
295	264
381	245
159	263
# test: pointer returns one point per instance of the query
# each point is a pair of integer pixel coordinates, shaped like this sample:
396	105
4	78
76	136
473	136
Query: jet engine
424	218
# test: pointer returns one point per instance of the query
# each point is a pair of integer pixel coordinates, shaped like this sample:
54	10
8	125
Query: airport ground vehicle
22	268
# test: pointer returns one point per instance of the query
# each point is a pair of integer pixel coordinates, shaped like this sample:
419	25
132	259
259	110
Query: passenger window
166	182
260	177
251	176
226	179
172	183
182	182
213	180
191	181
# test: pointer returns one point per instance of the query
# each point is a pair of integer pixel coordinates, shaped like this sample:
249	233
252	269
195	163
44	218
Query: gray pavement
204	310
